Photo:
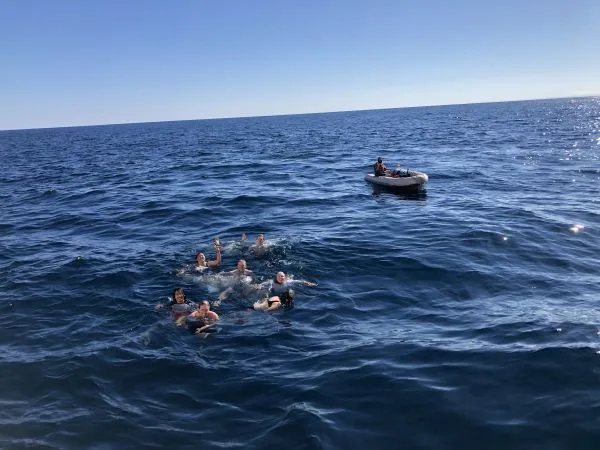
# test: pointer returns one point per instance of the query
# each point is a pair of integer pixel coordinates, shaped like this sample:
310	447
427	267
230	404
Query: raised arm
217	259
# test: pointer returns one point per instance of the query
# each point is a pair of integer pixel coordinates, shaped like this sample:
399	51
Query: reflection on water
401	194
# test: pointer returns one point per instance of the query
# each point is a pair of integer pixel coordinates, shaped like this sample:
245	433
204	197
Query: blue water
465	317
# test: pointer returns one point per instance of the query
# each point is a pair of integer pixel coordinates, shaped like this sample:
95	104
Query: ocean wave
470	311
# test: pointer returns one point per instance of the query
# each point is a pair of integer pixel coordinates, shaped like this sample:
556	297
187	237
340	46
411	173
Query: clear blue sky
72	62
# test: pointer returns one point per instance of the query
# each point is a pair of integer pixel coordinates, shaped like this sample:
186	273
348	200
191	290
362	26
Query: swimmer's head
200	259
178	295
379	159
241	265
280	277
204	306
260	239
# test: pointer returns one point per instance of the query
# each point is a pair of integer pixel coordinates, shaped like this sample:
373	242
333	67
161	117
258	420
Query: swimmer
178	303
202	263
201	319
260	245
236	246
280	293
203	311
240	272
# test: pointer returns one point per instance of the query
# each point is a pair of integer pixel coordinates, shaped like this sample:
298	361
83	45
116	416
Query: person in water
260	246
178	304
280	293
202	263
200	320
240	273
241	269
258	243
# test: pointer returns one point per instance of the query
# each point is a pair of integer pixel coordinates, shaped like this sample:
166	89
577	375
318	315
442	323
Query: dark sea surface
464	317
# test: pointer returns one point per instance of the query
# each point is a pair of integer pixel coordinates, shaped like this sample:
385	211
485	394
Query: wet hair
198	254
175	292
204	302
379	159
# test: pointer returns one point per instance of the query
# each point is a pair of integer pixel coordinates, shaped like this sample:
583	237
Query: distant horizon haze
304	113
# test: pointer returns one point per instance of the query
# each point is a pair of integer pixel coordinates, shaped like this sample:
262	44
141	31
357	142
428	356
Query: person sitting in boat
202	263
379	168
280	293
381	171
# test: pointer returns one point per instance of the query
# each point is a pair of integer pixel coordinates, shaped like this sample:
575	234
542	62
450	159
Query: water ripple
461	317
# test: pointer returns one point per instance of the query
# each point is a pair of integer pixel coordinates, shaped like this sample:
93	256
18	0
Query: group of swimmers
200	319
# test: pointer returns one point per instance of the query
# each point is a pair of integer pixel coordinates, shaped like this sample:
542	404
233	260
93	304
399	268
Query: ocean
463	317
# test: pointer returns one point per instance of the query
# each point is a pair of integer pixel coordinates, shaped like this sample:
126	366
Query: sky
85	62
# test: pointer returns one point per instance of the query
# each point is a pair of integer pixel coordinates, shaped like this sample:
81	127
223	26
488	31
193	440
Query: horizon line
299	113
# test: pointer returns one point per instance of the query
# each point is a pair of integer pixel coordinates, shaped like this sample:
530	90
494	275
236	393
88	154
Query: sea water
464	317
